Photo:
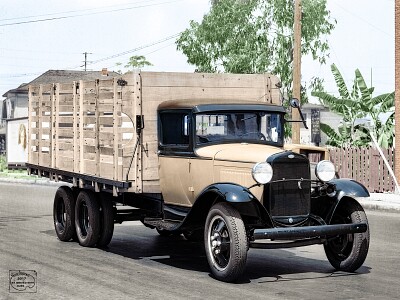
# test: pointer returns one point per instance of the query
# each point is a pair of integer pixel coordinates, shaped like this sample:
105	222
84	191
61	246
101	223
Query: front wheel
225	242
348	252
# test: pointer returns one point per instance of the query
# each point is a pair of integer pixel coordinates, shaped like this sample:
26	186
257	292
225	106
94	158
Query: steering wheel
260	135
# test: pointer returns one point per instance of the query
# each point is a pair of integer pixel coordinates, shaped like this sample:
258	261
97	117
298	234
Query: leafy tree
354	106
135	62
256	36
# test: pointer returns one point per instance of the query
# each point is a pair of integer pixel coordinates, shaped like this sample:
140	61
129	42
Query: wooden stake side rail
87	129
80	129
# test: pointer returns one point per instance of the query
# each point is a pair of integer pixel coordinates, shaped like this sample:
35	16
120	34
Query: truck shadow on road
263	266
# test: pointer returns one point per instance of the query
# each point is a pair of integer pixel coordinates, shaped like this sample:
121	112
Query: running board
162	224
308	232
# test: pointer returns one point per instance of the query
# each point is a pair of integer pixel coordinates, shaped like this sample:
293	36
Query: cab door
175	153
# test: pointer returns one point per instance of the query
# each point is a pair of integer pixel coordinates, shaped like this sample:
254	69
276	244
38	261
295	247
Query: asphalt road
139	264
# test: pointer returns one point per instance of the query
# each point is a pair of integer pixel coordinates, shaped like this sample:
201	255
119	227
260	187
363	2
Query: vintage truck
201	155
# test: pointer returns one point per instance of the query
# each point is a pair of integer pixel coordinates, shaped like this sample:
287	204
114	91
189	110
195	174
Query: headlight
262	172
325	170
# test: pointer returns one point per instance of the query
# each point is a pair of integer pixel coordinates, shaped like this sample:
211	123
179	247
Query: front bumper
309	232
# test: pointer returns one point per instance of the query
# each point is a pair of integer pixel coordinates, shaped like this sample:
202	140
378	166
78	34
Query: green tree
135	62
354	106
256	36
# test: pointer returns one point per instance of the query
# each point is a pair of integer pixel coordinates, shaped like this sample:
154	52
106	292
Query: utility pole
296	70
397	89
86	54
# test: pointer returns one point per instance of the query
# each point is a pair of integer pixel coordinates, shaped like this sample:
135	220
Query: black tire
348	252
64	213
106	220
87	218
225	242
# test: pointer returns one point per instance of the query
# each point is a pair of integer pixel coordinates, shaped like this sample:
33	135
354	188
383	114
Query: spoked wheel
348	252
225	242
87	218
63	213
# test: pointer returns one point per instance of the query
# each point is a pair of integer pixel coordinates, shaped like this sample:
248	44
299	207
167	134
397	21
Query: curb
38	181
371	204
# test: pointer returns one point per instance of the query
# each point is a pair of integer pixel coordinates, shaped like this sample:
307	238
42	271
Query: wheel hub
219	242
216	241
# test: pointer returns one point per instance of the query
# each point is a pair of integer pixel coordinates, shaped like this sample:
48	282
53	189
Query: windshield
247	127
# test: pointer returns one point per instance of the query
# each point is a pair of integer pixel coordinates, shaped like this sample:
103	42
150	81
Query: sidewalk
381	201
31	180
377	201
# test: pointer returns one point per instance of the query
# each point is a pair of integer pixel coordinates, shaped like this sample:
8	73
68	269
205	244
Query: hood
308	149
251	153
298	147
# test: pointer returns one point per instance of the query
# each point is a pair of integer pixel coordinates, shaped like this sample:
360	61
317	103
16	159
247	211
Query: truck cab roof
205	105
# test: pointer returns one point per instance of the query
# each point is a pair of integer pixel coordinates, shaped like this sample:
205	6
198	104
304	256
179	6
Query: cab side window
174	130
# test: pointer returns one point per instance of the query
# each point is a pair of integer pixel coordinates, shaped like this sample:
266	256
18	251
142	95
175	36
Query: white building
325	116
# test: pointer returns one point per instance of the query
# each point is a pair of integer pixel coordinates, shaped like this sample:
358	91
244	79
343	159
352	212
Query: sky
36	36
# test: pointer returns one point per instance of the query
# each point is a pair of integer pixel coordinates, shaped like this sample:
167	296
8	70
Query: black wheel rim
341	246
219	242
83	219
60	214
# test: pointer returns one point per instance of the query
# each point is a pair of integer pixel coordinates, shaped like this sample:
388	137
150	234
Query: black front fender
230	192
240	197
349	188
346	190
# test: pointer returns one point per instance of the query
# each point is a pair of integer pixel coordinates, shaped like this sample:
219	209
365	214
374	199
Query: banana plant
353	105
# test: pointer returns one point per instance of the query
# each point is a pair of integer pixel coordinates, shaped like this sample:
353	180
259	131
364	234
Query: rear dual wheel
64	213
106	220
94	219
89	217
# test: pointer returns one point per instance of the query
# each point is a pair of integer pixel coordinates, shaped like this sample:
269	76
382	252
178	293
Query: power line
36	51
135	49
74	11
20	75
99	60
365	21
88	14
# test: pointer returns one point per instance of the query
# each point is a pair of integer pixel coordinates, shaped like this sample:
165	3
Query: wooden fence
366	166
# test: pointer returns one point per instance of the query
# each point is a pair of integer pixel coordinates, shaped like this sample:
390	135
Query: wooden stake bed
86	131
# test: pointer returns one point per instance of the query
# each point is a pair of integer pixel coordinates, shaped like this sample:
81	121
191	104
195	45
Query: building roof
62	76
314	106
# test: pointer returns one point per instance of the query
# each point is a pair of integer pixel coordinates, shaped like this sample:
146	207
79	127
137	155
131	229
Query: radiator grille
290	197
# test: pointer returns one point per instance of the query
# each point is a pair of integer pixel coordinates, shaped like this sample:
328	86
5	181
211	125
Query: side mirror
294	103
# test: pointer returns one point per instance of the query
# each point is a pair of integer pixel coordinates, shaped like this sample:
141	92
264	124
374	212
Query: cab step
162	224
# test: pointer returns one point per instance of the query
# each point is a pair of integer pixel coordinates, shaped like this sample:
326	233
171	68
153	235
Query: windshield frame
265	109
